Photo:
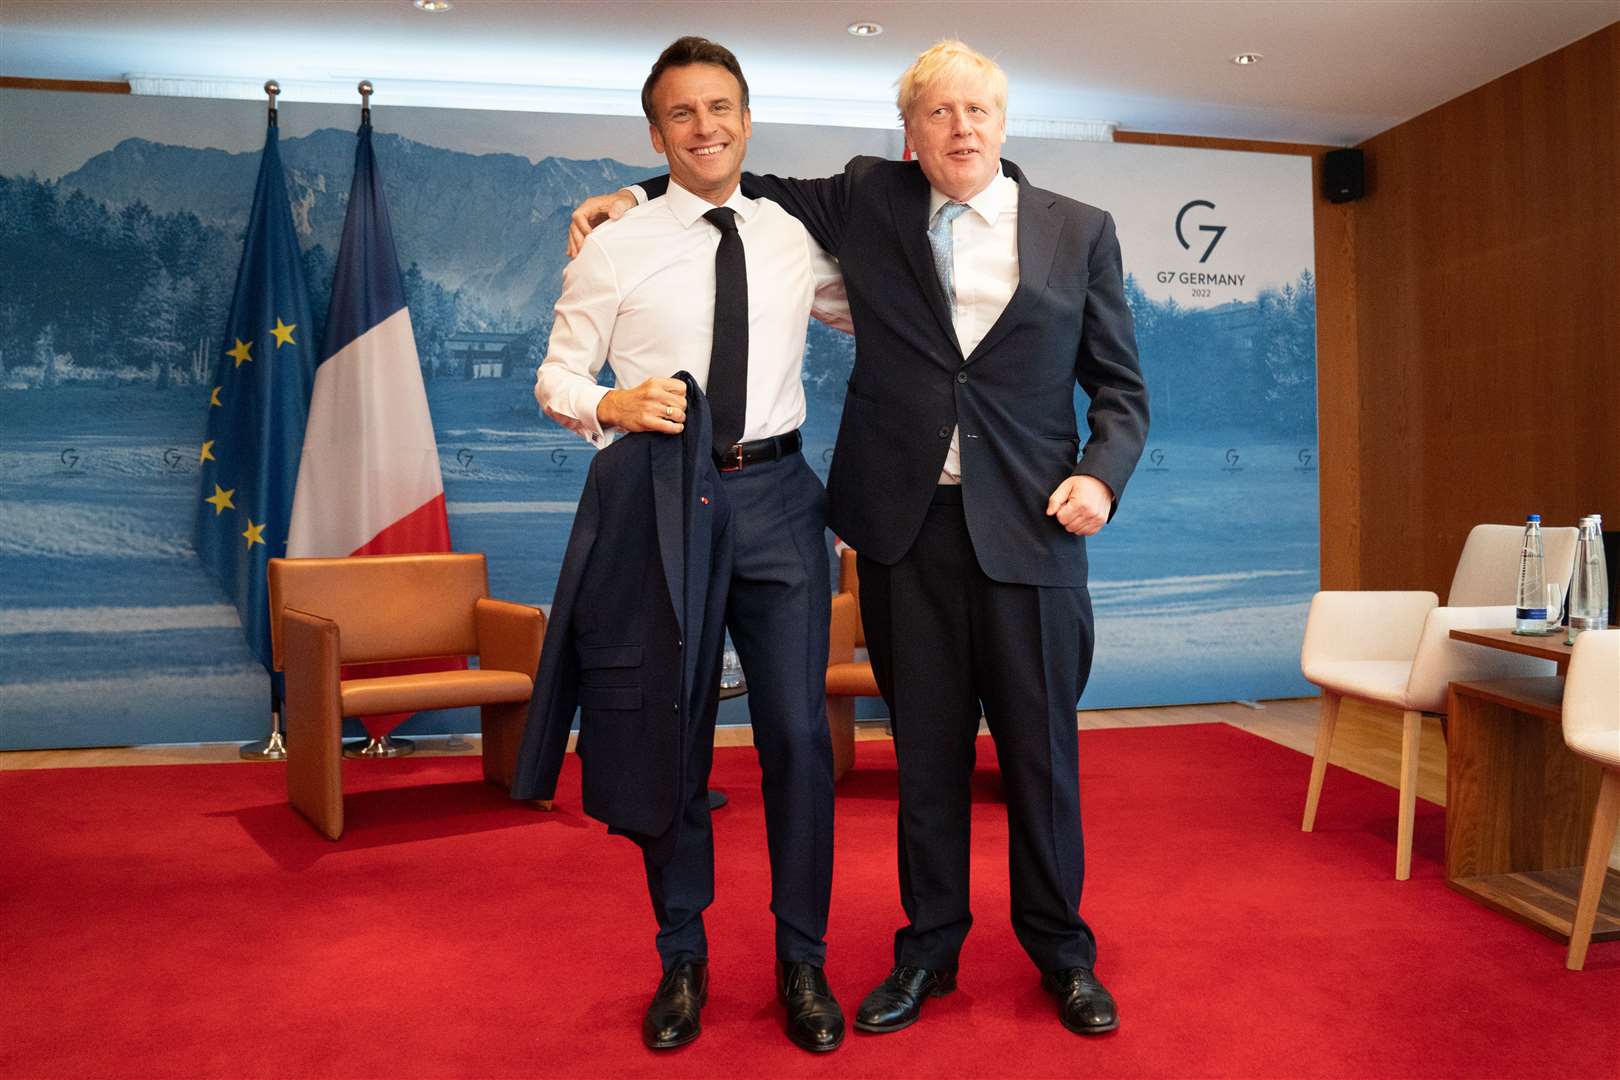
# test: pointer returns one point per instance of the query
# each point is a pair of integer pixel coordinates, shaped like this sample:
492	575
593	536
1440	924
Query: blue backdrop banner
122	220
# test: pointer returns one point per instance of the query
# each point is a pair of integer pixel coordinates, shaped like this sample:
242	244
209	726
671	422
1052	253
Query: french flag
368	479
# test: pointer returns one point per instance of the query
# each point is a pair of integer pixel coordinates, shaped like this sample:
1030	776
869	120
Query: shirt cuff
586	399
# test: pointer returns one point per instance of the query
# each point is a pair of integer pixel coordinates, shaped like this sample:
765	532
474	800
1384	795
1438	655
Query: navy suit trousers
777	615
946	642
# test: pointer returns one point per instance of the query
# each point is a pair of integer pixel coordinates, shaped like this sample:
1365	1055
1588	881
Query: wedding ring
669	411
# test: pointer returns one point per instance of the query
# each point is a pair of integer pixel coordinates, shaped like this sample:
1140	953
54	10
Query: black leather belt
758	451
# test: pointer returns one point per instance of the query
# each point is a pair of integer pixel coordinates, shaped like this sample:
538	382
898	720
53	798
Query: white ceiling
1335	71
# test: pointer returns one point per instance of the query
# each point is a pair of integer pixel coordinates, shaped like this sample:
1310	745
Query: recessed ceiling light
865	29
1244	59
432	5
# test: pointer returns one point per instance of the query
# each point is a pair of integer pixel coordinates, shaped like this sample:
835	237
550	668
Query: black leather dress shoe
1084	1005
898	999
814	1020
672	1018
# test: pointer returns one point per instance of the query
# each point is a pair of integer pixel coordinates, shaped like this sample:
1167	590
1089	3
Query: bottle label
1539	613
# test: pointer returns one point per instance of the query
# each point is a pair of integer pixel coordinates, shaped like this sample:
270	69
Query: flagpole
374	746
271	747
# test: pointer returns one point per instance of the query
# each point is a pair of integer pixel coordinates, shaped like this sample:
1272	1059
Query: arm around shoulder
823	206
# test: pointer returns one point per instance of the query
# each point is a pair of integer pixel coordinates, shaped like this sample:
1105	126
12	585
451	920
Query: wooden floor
1365	741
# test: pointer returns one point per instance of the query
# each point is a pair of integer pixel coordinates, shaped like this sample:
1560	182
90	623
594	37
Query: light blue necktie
939	240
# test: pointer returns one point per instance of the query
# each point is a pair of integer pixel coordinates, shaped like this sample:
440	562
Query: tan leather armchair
325	613
847	677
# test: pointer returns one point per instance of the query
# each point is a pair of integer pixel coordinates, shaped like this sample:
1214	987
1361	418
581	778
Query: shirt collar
997	195
689	208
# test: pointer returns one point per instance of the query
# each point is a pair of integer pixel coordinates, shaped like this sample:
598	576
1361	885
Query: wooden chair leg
1411	736
502	728
841	725
1598	845
1324	740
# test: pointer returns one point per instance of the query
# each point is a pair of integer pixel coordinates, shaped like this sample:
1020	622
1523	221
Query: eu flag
258	402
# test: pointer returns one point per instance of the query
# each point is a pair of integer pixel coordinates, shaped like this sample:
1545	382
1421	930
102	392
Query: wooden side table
1519	806
1545	646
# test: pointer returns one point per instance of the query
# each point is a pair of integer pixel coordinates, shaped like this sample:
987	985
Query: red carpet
182	921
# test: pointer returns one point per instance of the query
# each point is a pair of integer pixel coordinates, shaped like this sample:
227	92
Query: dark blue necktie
728	359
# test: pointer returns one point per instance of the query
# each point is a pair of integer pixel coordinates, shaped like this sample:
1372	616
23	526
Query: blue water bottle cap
1533	517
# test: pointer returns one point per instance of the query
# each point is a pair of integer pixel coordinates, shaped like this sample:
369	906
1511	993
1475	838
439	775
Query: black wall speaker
1344	177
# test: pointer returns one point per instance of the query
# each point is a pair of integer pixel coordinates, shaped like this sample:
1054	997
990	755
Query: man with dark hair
683	52
959	476
707	281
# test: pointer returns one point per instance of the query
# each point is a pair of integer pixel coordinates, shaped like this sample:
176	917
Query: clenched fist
655	405
1081	504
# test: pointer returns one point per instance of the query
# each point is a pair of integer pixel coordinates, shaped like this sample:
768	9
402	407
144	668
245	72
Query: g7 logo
1217	230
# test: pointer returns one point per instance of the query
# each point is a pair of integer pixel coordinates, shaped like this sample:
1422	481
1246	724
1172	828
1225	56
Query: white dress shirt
640	296
984	242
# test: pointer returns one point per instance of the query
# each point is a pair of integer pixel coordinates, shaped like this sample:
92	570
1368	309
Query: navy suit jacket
636	632
1013	397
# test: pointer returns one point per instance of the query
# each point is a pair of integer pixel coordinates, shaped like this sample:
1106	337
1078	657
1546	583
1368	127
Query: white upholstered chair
1592	729
1394	649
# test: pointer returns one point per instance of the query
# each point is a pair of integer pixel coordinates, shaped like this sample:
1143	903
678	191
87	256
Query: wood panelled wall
1487	315
1468	319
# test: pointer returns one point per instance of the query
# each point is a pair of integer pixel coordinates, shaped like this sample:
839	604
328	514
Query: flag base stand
269	748
383	747
458	742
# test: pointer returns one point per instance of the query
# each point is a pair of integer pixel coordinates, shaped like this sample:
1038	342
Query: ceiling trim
1150	138
79	86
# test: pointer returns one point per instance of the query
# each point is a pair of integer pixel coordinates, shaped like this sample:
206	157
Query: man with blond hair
979	301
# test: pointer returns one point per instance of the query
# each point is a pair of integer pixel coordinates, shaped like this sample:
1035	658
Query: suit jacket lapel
910	203
1038	229
697	447
667	485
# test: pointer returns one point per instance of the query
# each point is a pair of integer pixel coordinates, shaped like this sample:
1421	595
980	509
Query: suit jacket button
961	376
944	431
